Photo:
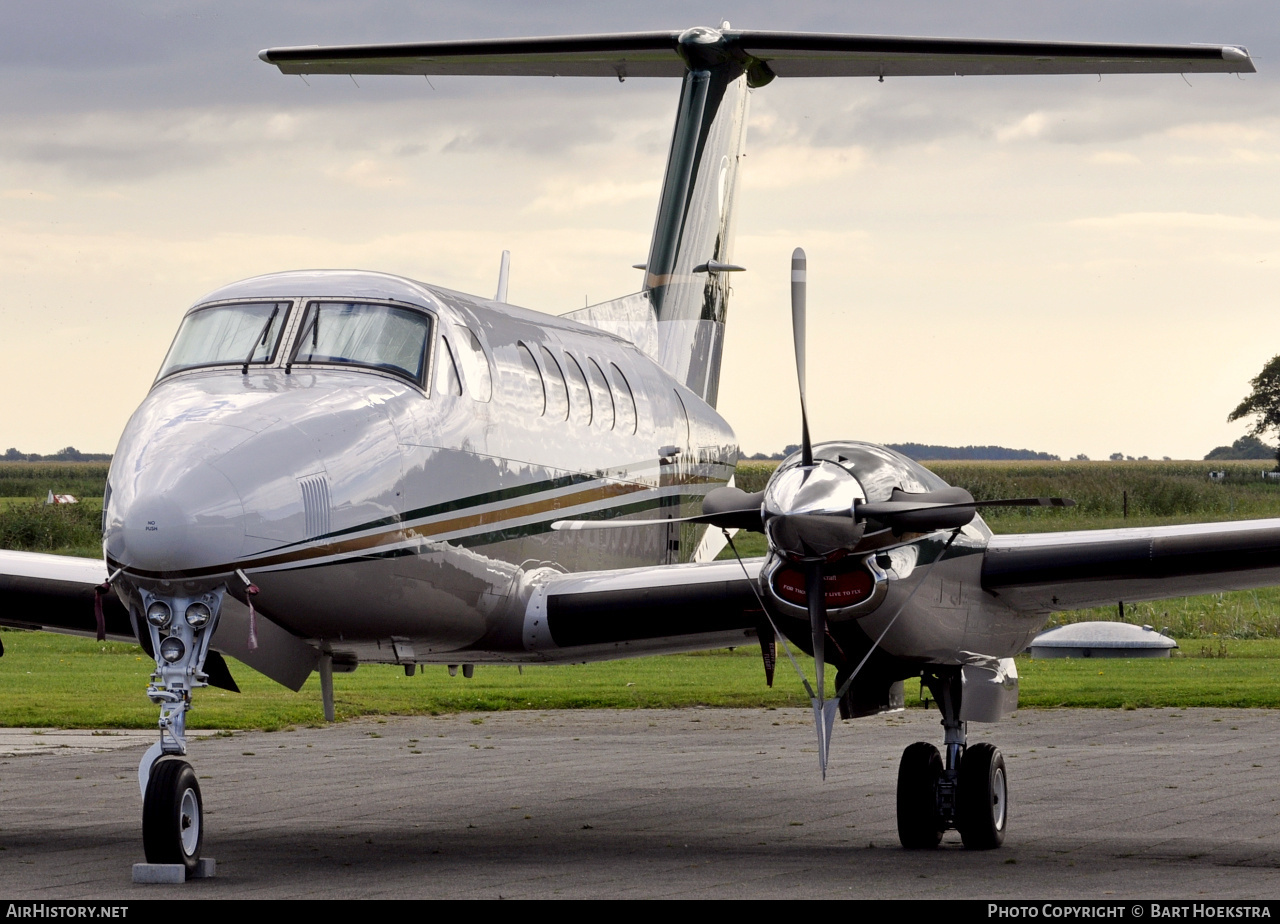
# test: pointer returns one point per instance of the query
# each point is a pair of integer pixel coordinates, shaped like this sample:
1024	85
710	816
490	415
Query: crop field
37	479
1229	654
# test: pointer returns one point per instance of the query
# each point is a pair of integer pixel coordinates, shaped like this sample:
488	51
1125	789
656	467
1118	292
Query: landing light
159	614
198	615
172	649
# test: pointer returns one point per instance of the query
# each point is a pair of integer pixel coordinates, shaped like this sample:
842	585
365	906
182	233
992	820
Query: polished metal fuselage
381	515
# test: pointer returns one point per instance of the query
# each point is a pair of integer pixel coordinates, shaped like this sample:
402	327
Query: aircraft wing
707	605
1044	572
55	593
782	54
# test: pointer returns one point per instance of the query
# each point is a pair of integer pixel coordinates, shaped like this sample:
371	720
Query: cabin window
219	335
447	380
600	397
684	415
626	401
384	337
557	389
579	394
475	364
524	383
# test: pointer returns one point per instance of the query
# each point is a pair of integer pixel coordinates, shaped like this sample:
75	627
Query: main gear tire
920	826
982	798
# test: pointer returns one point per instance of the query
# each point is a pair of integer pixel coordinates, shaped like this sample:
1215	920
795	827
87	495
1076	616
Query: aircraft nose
175	520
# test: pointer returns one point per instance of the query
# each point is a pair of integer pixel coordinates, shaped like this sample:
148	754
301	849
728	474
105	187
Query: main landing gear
968	791
180	628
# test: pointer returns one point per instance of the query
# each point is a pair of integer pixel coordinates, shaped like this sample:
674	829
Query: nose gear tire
173	815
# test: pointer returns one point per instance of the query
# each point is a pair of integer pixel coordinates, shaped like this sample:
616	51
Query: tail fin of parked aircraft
686	282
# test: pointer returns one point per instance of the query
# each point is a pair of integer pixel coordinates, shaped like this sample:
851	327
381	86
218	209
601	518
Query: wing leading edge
1046	572
764	55
663	601
55	593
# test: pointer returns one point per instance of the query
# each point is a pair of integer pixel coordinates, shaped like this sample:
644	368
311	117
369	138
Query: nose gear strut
180	628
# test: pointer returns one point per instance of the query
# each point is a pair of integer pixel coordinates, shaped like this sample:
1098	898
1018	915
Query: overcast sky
1061	263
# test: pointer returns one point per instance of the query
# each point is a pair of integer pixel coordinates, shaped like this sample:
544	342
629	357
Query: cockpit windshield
383	337
227	335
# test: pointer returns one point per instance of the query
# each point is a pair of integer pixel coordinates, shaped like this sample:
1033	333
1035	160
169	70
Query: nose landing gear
172	807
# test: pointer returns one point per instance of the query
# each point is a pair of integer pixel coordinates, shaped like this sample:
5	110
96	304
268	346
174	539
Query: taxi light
198	615
159	614
172	649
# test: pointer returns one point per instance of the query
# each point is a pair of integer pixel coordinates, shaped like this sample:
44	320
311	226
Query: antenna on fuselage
503	272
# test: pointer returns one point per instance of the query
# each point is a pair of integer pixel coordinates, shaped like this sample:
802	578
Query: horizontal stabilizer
765	54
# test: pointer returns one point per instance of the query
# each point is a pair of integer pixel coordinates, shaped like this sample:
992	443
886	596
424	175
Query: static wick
428	80
303	79
1184	79
353	80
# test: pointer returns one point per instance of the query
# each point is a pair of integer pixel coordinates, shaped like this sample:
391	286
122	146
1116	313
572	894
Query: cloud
1031	125
367	173
1118	158
567	194
1180	221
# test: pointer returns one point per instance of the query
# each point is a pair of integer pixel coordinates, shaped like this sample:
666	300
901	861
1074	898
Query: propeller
814	515
799	529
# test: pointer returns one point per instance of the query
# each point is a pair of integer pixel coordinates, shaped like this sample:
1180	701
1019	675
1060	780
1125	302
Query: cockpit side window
239	334
385	337
447	380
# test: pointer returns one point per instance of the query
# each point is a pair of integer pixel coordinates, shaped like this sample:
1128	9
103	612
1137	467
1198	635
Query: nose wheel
173	815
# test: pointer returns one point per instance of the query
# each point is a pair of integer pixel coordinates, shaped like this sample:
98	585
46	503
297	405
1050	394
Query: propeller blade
575	525
768	649
942	509
733	508
822	715
727	508
799	275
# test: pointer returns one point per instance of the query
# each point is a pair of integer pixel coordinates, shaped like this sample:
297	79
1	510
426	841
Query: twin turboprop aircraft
343	467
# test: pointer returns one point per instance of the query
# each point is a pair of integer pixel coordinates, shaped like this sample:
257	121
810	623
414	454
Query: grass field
43	678
1230	653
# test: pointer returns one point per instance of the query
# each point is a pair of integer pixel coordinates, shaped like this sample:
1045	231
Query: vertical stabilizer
687	275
